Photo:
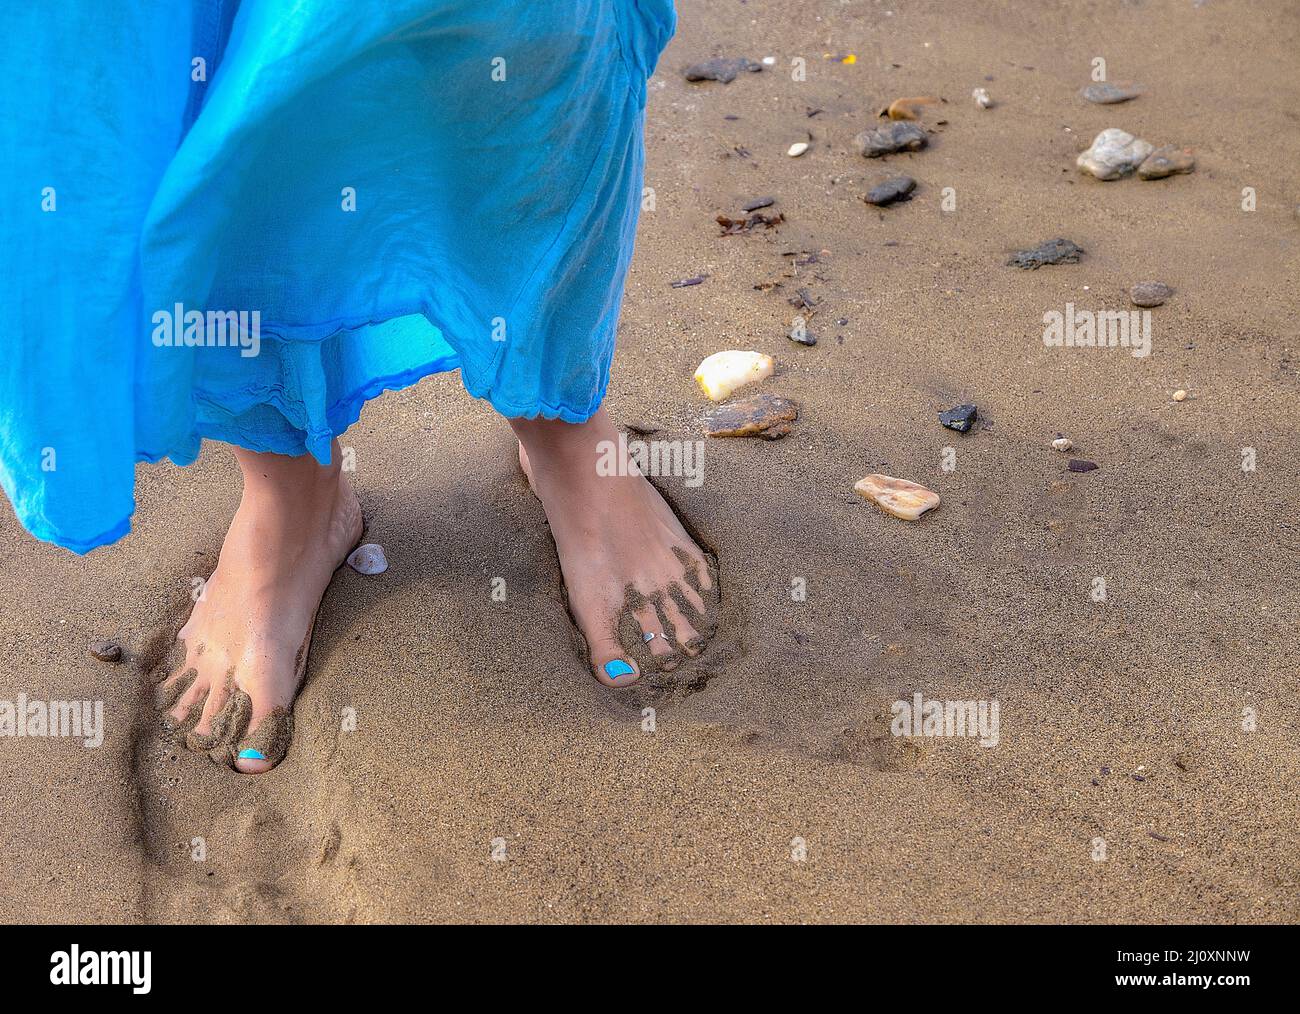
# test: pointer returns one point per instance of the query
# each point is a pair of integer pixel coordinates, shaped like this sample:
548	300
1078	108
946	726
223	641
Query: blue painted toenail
249	754
617	668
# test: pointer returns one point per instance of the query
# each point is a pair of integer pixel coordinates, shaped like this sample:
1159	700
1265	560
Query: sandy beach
454	759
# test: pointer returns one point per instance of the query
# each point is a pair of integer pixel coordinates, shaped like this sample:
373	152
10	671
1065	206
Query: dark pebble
721	68
1079	465
758	202
1149	293
1054	251
897	189
106	651
682	283
960	418
902	135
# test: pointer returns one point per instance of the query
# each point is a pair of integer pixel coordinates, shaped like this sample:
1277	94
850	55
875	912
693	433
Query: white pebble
1180	396
769	60
1063	444
368	559
1114	153
981	97
797	149
723	372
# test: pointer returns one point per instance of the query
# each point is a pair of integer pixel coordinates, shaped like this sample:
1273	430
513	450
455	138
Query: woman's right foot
246	641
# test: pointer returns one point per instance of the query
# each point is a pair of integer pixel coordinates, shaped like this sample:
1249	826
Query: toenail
617	668
649	635
250	754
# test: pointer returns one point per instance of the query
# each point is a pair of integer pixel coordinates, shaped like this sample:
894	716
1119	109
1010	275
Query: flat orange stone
908	109
898	497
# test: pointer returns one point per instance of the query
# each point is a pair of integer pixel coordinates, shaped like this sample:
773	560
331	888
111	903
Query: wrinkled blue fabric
397	189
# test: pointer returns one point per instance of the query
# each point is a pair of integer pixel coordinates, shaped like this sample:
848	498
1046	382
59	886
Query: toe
611	663
699	572
648	628
174	689
683	625
200	736
224	720
266	743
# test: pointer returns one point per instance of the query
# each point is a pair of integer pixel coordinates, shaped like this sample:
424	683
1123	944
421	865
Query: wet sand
479	729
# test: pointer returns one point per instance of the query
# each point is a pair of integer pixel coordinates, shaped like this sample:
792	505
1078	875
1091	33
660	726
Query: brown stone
106	651
1166	161
761	415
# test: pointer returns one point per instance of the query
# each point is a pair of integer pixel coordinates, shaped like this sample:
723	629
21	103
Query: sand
440	727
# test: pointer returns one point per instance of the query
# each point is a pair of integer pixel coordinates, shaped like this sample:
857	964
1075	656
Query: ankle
565	446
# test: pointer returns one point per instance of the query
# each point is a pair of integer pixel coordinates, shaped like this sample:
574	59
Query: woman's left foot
638	585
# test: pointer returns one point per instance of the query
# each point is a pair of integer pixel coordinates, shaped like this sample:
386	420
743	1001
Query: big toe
266	743
611	663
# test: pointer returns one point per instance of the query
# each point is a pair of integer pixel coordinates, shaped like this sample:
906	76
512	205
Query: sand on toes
233	674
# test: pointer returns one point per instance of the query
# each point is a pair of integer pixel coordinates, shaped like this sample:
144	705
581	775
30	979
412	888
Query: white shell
1063	444
368	559
797	149
981	97
1114	153
723	372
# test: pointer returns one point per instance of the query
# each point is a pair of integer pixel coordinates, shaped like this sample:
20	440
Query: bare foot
629	567
246	641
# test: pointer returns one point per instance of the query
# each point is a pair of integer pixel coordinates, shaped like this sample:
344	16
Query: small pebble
1166	161
724	372
1180	396
797	149
899	188
1149	293
1114	153
981	97
1054	251
1063	444
1079	465
758	202
799	333
722	68
898	497
1105	94
960	418
901	136
368	559
106	651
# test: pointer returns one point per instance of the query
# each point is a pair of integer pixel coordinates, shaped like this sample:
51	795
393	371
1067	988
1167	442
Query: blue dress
242	219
